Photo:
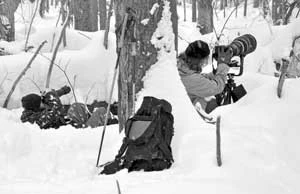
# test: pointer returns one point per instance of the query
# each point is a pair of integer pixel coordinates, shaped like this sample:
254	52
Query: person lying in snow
293	68
199	86
48	112
45	110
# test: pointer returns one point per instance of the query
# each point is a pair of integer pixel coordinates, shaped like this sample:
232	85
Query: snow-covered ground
259	132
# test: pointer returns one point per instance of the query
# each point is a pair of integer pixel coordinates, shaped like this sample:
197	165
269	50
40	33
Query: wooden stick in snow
56	49
21	75
118	185
219	159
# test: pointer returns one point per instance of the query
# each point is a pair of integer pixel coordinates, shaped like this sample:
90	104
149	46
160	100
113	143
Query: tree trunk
221	4
107	24
205	16
86	15
256	3
194	11
174	18
184	10
8	9
276	11
146	52
103	13
245	8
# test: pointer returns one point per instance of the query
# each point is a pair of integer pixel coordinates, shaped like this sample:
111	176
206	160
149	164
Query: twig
59	15
64	72
226	23
118	185
56	50
85	35
22	74
3	80
31	22
34	84
183	39
87	96
74	80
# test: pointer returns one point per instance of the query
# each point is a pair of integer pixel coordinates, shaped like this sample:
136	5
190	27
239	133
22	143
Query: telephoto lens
240	46
62	91
243	45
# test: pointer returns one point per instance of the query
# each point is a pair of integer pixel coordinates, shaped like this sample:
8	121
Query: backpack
147	142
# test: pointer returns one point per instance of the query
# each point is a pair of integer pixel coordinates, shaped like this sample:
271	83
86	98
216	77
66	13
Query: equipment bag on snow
147	142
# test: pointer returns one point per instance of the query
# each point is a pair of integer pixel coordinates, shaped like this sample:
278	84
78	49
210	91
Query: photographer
201	87
45	110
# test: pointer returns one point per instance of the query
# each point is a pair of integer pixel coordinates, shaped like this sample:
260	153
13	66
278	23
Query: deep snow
259	133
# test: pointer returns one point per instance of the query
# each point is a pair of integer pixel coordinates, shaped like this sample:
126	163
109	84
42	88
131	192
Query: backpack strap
162	144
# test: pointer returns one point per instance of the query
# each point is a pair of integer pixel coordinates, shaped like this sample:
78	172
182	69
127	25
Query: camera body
240	46
60	92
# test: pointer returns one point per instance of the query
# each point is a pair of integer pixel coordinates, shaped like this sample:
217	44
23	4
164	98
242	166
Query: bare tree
245	7
86	15
107	24
279	11
184	10
8	8
194	10
103	13
205	16
146	52
256	3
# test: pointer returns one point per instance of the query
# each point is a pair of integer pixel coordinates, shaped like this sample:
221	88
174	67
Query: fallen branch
22	74
56	49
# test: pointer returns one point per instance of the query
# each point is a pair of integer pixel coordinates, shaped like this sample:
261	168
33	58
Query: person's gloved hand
224	55
222	69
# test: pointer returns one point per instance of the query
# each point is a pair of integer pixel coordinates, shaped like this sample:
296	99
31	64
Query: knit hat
197	49
31	102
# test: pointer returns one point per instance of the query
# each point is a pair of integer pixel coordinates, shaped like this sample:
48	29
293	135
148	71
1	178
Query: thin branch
64	72
56	50
85	35
31	22
22	74
183	39
226	22
34	83
90	90
3	80
118	186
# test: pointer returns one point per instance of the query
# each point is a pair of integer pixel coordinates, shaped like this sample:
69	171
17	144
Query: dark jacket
49	117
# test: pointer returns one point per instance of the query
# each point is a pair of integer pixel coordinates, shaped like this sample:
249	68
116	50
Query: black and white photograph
149	96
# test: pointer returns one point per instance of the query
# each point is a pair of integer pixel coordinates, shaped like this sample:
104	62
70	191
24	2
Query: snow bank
91	68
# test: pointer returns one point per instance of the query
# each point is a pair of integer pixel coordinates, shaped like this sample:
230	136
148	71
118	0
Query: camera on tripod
239	47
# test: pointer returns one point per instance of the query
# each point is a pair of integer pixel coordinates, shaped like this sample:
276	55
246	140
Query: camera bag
147	142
